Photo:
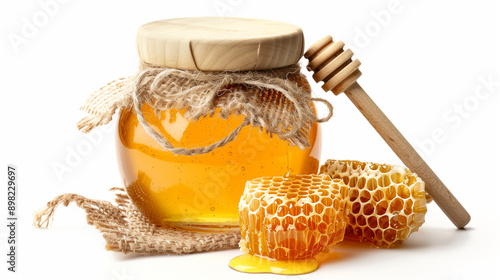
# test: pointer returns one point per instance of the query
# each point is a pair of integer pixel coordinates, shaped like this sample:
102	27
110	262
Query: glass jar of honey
202	191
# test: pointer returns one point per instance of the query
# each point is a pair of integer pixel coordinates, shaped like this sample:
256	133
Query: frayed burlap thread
277	101
125	230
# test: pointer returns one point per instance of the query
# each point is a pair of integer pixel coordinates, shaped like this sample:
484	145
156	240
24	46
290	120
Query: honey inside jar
201	191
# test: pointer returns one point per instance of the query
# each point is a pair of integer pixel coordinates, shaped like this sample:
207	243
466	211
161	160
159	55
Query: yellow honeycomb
294	217
388	202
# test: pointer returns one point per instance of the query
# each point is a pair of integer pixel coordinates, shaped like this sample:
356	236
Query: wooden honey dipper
333	65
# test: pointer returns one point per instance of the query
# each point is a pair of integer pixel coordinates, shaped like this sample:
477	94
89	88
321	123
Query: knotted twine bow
277	101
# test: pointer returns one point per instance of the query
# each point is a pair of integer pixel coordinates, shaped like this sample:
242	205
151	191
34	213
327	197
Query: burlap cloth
125	229
278	101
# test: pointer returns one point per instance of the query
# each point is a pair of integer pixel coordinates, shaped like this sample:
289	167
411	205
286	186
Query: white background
419	65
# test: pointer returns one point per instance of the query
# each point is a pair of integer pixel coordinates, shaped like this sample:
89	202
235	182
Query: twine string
276	100
138	102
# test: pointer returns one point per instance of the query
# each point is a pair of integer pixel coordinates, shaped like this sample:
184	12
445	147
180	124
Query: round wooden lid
220	43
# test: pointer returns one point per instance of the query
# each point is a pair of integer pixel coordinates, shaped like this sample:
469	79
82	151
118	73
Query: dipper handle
334	66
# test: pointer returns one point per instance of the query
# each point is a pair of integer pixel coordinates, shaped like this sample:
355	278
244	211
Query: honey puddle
254	264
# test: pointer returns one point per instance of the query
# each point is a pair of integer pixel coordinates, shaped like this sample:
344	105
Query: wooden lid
220	43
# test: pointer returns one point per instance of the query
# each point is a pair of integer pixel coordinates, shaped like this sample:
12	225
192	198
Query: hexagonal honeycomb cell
292	218
388	201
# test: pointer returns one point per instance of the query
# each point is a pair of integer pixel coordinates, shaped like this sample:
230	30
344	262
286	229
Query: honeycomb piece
292	218
388	202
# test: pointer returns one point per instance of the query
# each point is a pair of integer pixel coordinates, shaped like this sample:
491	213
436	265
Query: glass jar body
201	191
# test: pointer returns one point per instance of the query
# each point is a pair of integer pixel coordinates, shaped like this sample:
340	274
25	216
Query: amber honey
201	191
255	264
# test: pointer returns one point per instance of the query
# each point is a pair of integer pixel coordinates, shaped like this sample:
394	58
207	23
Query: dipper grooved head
332	65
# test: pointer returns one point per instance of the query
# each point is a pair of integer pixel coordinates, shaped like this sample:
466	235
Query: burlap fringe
102	104
125	230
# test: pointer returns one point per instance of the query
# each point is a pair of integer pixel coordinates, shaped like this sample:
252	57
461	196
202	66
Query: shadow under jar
202	192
